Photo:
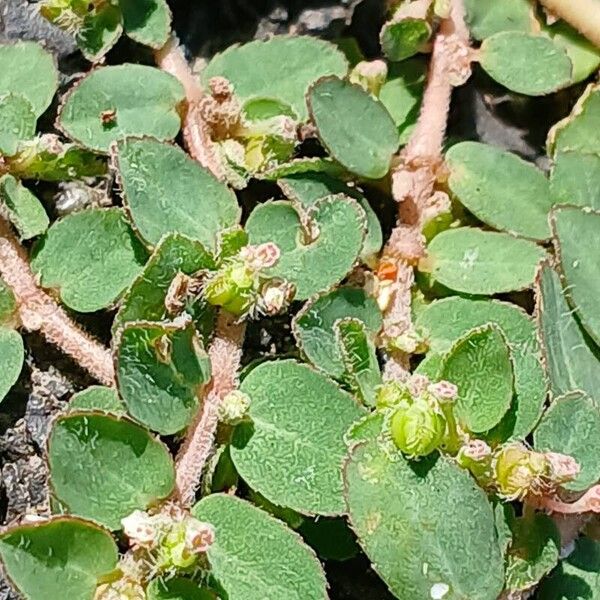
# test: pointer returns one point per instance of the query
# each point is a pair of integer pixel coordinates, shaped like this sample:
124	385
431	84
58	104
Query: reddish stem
225	354
39	312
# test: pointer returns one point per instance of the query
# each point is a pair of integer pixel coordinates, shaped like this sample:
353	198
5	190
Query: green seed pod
418	429
232	288
518	471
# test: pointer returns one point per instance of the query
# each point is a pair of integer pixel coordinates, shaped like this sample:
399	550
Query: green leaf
362	374
59	558
331	539
145	299
176	588
29	70
8	304
575	179
569	362
334	242
160	370
103	467
426	526
500	189
356	129
576	133
48	159
100	31
577	242
91	257
487	17
403	39
479	365
526	63
571	425
402	93
166	191
12	354
98	398
482	262
583	54
144	101
534	551
444	321
307	188
577	576
281	68
255	556
17	122
313	326
24	210
293	451
147	21
305	164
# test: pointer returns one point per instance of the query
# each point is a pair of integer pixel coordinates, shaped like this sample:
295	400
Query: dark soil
481	110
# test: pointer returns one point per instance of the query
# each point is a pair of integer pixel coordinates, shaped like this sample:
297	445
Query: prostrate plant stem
225	354
196	133
584	15
416	174
39	312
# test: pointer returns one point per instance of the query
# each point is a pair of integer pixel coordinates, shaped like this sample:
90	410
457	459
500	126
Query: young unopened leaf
533	552
526	63
577	576
98	398
177	588
433	508
501	189
24	210
577	238
404	38
575	179
571	425
479	365
487	17
293	451
575	133
63	557
118	101
307	188
12	354
401	94
362	374
17	122
281	68
147	21
482	262
314	326
29	70
276	563
103	467
444	321
570	363
145	299
90	257
160	370
356	129
312	260
166	191
48	159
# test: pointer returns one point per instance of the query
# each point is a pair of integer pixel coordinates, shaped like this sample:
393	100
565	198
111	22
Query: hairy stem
589	502
196	133
225	354
415	177
584	15
39	312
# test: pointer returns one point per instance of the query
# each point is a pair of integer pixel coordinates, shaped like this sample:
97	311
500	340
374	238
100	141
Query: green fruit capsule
418	429
232	288
519	471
